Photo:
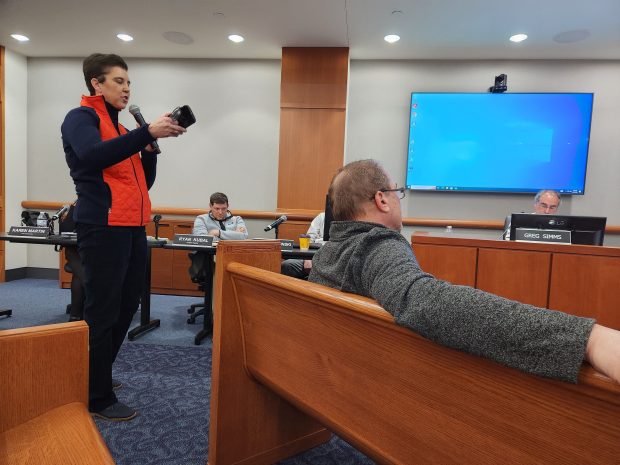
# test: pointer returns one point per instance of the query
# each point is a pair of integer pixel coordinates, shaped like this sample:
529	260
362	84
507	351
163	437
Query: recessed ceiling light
518	38
235	38
20	37
391	38
124	37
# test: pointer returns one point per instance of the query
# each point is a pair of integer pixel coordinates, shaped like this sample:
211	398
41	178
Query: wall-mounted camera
501	84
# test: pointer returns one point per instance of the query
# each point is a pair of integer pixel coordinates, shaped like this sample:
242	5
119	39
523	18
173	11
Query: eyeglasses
400	191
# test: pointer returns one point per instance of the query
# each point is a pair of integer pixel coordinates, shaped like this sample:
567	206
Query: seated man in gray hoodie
367	255
219	222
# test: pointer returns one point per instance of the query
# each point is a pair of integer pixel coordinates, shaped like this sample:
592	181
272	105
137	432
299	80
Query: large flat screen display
509	142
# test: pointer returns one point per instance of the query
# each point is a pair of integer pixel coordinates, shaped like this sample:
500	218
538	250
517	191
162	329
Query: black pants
293	267
114	259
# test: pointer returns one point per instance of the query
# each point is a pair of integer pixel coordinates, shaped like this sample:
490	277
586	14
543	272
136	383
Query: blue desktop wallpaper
499	142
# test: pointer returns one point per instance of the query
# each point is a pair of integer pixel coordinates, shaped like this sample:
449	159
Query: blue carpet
164	375
172	394
41	301
170	388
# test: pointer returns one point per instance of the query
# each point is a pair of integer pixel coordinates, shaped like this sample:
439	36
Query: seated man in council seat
367	255
301	268
219	222
546	202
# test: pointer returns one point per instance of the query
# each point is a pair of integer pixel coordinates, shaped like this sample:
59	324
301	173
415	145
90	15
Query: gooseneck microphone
276	223
135	111
156	220
60	212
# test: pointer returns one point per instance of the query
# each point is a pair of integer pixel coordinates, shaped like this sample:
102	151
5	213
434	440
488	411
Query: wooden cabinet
454	264
292	230
577	279
169	268
587	286
515	274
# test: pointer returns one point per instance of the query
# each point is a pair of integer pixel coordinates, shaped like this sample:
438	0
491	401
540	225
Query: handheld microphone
135	111
60	212
276	223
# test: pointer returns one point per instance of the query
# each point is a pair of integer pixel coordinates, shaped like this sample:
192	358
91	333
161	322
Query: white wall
234	145
15	149
378	118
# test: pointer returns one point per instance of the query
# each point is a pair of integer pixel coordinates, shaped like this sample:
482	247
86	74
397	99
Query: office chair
197	273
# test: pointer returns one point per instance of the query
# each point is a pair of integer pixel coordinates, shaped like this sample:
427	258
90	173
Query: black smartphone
183	115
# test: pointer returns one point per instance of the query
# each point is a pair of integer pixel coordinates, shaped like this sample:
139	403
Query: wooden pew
44	417
289	356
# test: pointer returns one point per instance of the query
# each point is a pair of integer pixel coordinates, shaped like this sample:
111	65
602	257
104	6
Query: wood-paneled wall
313	99
2	169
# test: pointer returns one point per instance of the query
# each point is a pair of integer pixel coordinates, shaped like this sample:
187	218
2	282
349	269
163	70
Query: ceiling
429	29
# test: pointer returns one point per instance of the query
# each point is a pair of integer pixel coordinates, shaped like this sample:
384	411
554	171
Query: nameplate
286	244
32	231
193	239
543	235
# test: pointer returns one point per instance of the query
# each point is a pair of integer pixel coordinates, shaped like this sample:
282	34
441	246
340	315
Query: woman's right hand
164	126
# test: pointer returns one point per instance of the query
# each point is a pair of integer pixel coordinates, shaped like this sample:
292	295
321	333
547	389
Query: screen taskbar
488	189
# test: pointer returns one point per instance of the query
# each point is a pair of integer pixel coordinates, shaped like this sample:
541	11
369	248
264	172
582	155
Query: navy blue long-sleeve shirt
87	156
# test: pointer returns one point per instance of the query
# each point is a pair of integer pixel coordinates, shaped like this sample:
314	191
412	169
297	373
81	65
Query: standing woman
112	169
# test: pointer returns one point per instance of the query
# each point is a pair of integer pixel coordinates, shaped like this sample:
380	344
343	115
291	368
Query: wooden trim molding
297	215
303	215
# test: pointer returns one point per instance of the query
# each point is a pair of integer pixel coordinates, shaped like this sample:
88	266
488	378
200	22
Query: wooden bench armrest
368	309
42	367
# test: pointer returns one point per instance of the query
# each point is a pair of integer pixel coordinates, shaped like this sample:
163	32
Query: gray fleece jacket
372	260
205	223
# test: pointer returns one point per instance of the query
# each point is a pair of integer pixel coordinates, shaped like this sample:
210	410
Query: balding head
353	186
547	202
363	191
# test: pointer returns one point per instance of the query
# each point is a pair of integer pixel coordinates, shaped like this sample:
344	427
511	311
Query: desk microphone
276	223
135	111
60	212
156	220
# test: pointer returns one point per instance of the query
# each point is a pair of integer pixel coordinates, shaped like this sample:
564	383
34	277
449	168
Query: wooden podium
577	279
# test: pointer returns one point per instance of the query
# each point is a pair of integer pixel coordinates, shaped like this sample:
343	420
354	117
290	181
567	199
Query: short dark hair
353	185
97	66
218	197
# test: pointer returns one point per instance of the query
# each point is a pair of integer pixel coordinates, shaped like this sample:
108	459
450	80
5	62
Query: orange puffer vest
131	205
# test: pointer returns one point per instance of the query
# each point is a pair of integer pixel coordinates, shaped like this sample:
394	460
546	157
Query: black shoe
74	318
116	384
116	412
